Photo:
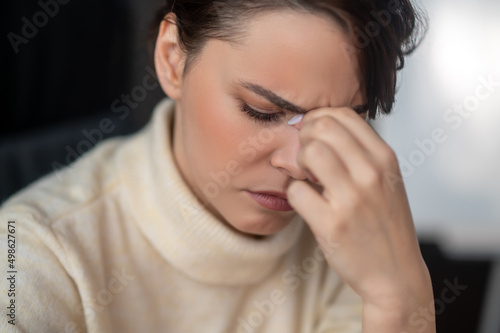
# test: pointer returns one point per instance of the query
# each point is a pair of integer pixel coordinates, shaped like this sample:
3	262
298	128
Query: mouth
271	200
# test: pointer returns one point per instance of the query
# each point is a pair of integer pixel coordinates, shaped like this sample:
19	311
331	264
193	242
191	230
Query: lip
271	200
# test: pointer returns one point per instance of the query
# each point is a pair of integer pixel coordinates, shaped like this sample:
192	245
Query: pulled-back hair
384	32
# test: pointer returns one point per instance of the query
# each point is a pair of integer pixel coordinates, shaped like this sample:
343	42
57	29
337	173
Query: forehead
302	56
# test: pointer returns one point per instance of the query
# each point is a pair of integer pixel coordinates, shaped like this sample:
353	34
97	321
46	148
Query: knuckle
372	177
356	200
323	125
313	149
351	200
340	227
389	157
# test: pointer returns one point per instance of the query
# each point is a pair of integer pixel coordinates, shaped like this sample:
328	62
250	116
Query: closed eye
260	116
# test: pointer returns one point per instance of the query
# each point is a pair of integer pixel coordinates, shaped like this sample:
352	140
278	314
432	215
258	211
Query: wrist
409	315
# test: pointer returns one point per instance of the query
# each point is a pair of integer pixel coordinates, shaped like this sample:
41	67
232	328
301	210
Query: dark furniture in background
459	287
63	64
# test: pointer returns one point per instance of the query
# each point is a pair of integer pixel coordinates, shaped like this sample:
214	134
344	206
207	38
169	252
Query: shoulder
85	193
67	189
51	226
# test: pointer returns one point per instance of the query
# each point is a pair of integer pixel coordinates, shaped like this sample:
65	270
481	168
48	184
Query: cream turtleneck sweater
118	243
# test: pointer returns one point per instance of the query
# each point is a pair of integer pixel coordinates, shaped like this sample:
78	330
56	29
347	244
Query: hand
361	218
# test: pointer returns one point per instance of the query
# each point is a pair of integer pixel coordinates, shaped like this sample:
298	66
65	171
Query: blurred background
444	129
67	65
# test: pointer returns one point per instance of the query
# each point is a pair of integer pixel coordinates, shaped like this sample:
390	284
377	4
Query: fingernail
295	120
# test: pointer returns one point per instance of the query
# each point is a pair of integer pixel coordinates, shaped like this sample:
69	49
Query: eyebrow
284	104
273	98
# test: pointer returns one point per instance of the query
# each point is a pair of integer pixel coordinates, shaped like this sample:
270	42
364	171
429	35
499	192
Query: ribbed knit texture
118	243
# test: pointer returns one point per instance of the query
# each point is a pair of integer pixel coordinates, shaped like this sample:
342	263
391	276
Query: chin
264	225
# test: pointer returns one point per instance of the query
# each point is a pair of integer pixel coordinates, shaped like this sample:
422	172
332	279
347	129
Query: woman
257	200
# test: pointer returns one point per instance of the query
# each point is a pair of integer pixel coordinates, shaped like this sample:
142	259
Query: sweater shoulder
68	190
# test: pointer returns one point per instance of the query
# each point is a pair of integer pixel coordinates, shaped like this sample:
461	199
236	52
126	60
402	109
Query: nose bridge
284	156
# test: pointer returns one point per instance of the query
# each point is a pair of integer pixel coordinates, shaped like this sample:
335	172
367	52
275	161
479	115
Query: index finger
355	123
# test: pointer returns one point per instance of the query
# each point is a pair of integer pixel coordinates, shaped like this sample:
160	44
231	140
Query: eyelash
259	116
275	117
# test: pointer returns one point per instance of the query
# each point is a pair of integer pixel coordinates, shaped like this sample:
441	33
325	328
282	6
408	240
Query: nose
284	157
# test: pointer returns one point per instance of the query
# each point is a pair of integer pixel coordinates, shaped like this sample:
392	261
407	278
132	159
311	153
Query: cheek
215	130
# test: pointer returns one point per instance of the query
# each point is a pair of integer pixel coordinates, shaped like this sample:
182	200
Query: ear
169	58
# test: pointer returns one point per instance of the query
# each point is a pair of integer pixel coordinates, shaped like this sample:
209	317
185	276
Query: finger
335	135
331	173
309	204
356	125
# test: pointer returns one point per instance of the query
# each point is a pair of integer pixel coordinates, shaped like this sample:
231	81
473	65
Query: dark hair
384	32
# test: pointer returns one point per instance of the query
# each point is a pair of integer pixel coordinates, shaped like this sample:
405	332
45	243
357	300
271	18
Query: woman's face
239	162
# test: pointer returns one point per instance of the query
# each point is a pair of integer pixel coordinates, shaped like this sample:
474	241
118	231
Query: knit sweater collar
178	226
